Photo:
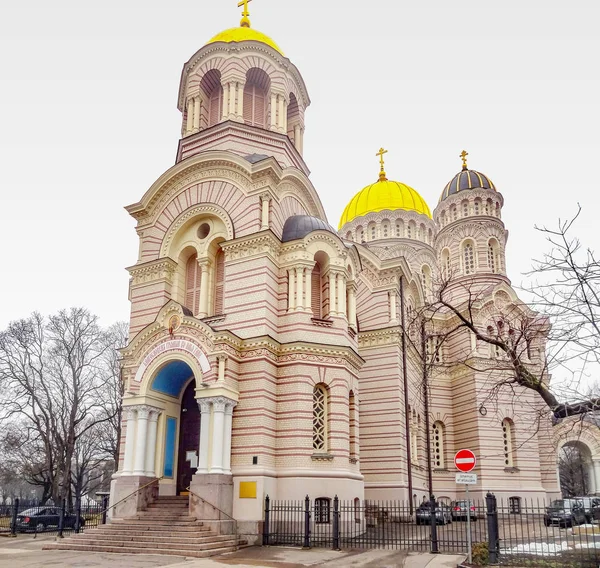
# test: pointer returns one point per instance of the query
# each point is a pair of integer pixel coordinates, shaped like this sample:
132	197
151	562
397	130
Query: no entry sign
465	460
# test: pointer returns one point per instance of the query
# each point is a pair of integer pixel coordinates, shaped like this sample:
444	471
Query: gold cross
464	155
245	23
382	176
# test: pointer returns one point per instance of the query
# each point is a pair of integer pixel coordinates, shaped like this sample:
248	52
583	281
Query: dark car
442	514
565	513
459	511
39	518
590	505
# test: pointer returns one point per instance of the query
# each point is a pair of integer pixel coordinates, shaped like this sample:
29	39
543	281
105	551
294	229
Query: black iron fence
29	518
511	533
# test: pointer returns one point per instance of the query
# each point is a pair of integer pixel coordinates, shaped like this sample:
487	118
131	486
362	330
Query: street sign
466	478
465	460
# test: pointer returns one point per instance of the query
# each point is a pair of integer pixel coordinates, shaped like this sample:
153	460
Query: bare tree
573	471
57	380
565	315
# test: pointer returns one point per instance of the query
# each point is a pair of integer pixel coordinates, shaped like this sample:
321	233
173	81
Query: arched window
446	263
256	92
293	118
454	213
356	510
193	276
213	109
493	259
433	347
507	438
477	207
426	280
430	237
349	235
443	219
437	439
352	425
320	411
399	228
372	232
498	210
411	230
316	291
219	282
360	236
385	228
489	207
469	257
465	208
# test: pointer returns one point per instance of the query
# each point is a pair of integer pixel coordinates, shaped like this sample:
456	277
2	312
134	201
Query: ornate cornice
379	337
256	244
162	268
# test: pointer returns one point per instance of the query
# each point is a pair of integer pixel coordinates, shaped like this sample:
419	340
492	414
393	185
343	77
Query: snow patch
538	548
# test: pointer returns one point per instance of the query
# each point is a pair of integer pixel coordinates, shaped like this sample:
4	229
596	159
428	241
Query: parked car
459	511
565	512
589	504
39	518
442	514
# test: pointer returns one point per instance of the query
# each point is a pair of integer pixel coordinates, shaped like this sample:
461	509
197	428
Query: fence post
492	523
13	521
61	518
104	508
266	525
77	514
307	522
434	538
336	523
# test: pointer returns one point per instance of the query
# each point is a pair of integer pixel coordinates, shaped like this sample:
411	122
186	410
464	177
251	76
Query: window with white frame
322	510
507	439
437	439
469	257
446	263
465	208
493	259
320	418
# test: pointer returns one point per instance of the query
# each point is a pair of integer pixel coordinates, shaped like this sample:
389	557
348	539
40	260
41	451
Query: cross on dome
382	176
464	155
245	22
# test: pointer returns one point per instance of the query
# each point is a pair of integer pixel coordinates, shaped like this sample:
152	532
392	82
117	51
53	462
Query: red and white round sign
465	460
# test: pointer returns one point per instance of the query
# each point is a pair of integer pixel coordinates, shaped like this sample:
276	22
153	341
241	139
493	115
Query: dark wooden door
189	438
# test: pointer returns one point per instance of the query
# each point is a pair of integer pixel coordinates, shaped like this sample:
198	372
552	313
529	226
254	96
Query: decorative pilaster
393	306
332	294
151	444
204	288
218	434
291	282
189	121
232	92
308	290
341	295
197	109
351	286
143	413
299	288
221	362
129	412
281	112
240	102
273	111
204	405
265	200
225	114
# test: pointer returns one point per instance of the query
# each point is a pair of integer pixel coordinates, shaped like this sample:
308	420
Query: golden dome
243	33
382	195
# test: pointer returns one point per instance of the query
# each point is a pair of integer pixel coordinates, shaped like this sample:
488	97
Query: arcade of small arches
477	206
252	101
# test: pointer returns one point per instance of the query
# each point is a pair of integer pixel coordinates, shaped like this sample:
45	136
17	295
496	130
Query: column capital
222	356
265	197
204	405
229	406
351	285
203	263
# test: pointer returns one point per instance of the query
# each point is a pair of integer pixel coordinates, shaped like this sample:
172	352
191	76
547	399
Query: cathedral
271	354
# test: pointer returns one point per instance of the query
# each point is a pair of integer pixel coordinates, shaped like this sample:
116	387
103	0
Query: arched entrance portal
189	438
576	470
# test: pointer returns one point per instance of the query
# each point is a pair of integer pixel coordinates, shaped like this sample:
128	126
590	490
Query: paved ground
26	552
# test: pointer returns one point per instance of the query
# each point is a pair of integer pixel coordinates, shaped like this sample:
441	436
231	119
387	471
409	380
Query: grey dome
298	226
466	179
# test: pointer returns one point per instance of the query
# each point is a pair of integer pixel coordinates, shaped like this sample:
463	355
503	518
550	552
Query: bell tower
239	93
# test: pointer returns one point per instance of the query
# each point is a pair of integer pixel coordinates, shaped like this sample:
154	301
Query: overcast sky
88	119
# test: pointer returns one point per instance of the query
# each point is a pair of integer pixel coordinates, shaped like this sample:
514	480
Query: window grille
507	435
469	258
322	510
319	419
438	445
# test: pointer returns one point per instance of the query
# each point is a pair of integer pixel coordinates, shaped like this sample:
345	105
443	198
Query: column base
122	488
217	490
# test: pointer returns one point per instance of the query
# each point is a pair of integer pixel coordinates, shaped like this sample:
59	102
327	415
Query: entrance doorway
189	438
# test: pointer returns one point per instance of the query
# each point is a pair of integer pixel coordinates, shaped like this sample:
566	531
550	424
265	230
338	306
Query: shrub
481	554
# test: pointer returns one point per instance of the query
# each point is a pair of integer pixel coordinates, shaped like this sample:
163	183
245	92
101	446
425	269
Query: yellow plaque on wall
247	489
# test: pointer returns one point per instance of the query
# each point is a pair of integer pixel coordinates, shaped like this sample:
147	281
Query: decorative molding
321	457
256	244
155	270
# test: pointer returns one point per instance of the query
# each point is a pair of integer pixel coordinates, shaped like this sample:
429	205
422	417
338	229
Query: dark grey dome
466	179
298	226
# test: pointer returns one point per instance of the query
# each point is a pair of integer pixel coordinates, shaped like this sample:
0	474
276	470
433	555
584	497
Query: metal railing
514	532
221	512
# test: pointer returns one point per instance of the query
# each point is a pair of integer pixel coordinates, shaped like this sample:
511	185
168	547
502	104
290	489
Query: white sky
88	119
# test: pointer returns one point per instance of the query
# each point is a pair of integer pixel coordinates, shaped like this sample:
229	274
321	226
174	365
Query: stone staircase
165	528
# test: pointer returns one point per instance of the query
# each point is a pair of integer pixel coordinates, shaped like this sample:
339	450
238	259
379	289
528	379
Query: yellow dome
235	35
382	195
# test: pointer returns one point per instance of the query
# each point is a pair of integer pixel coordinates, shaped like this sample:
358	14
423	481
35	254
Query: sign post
465	461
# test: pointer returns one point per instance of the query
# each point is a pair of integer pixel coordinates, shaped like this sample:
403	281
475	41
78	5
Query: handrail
131	494
220	511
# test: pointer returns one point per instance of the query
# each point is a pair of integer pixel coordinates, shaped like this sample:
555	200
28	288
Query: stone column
273	111
229	406
281	121
341	295
596	467
204	406
130	414
232	93
301	145
143	413
218	431
151	444
393	300
297	137
299	291
189	121
204	289
240	102
291	281
221	359
197	106
351	304
332	299
265	200
225	114
308	289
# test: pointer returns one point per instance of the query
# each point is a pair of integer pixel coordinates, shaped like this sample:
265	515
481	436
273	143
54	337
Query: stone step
157	534
100	537
138	550
151	546
158	516
158	522
166	506
151	527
